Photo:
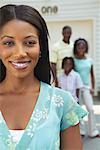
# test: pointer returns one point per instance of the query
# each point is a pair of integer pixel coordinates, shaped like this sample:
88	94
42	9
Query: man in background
63	48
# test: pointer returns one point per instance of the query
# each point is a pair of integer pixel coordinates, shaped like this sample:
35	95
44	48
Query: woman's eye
30	43
8	43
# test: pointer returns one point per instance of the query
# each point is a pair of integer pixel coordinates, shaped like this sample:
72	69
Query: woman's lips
20	64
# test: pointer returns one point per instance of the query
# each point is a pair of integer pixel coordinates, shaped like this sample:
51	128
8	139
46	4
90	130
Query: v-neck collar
5	135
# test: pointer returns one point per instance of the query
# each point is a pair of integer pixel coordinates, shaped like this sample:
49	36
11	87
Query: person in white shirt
62	48
70	80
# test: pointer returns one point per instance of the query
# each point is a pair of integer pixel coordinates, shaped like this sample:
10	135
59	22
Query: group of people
73	72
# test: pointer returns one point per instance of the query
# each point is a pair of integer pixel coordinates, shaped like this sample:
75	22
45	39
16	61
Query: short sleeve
72	112
91	61
53	54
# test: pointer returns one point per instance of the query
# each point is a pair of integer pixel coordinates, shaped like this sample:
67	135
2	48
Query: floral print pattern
57	100
72	117
54	107
36	117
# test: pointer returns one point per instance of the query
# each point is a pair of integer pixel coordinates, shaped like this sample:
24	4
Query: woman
84	66
31	110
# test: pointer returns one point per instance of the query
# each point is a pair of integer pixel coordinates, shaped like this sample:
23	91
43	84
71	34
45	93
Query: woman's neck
19	85
80	57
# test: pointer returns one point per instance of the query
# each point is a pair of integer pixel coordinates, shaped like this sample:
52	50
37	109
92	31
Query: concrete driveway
94	143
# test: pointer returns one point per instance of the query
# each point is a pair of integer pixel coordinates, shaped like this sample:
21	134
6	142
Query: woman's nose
20	51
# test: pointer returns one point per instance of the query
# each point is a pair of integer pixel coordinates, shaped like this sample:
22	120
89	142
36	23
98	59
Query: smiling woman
20	14
29	106
20	51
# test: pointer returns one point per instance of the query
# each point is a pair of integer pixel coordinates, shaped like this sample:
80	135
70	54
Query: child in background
70	80
84	66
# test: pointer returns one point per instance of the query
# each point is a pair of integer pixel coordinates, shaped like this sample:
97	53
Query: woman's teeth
20	65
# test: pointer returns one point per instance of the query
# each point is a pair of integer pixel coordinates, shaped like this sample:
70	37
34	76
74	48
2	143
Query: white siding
97	47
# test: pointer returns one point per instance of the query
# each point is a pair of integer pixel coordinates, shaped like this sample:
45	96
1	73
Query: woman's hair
68	58
77	42
32	16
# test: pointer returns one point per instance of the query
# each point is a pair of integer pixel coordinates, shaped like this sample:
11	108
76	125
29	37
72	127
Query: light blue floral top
83	67
55	111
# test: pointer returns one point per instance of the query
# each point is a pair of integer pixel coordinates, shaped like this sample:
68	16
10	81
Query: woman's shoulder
90	59
58	92
64	105
53	88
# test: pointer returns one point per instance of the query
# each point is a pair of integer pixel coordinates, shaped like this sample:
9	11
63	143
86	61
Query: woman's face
81	48
19	48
